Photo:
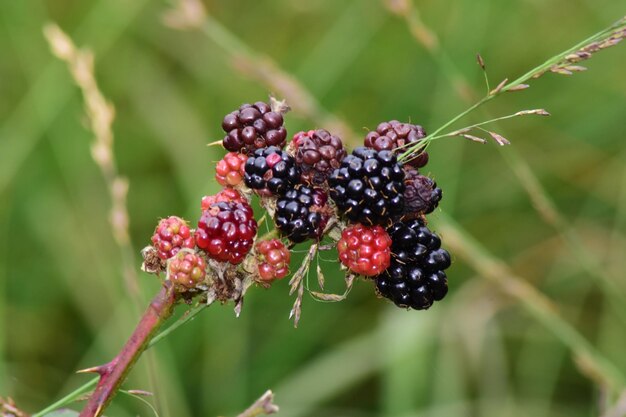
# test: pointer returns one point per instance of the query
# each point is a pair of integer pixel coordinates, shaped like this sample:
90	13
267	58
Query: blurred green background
63	302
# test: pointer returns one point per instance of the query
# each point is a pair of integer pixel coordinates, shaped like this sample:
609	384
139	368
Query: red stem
112	374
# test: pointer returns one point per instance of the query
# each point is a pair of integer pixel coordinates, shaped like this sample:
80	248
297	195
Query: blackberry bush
368	187
416	277
253	126
271	171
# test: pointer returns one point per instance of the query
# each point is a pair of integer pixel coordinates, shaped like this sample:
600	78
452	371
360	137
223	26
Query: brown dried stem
112	374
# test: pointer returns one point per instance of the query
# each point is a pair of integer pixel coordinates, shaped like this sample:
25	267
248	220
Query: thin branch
113	374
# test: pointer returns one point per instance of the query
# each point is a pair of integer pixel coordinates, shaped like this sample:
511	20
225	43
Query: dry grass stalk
100	116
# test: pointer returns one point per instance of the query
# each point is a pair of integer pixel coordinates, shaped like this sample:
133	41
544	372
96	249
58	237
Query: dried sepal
320	276
499	87
518	87
279	106
474	138
500	140
481	61
152	264
328	297
296	310
575	68
539	112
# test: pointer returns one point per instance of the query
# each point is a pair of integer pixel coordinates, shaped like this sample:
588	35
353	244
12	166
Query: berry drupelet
271	171
416	276
186	270
226	231
253	126
368	187
364	250
317	153
393	134
302	213
229	171
273	259
170	236
226	194
421	195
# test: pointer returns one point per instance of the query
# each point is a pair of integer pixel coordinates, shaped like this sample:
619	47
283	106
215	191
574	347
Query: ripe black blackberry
271	171
302	213
421	195
317	153
393	134
252	127
416	276
368	187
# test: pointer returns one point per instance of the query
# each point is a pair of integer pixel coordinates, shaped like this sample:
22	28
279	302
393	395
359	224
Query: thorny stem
112	374
72	396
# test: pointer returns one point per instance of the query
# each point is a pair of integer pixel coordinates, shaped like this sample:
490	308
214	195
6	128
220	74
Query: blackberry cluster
252	127
317	154
394	134
416	276
368	187
271	171
421	195
302	213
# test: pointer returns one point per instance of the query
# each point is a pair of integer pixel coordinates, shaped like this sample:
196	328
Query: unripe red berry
230	169
225	195
226	231
186	270
365	250
273	259
170	236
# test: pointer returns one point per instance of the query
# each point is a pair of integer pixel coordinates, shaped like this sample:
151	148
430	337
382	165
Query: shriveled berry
171	235
252	127
229	171
302	213
421	194
225	195
186	270
226	231
271	171
317	153
394	134
273	259
365	250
